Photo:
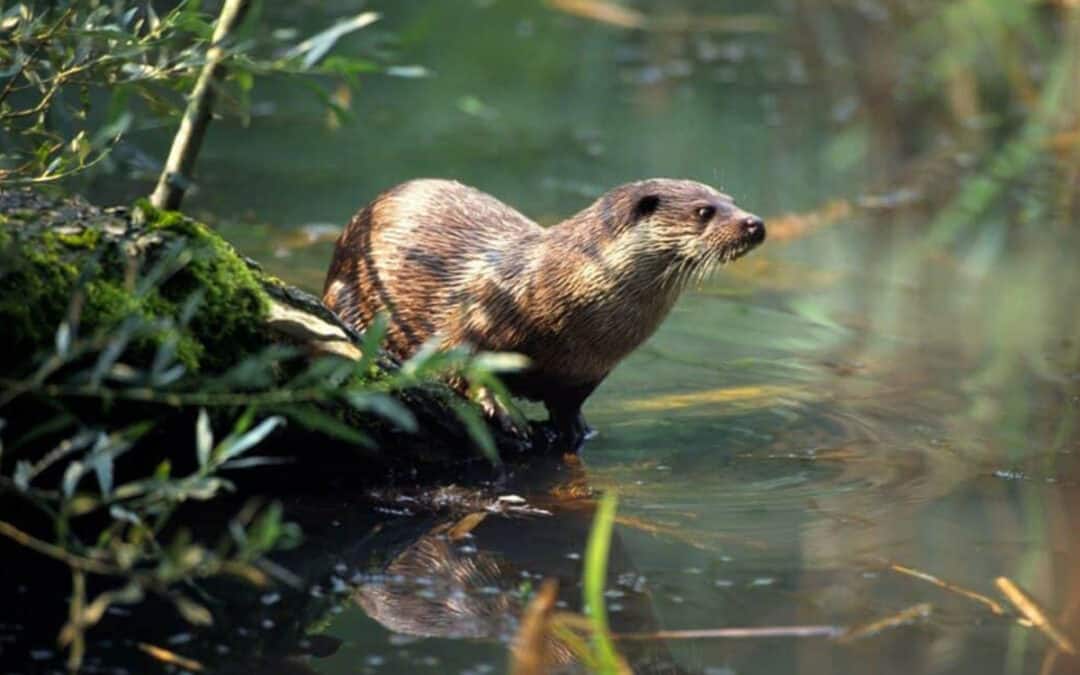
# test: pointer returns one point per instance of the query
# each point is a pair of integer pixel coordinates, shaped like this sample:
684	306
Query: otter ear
646	206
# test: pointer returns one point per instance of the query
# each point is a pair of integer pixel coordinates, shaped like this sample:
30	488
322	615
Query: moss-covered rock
68	262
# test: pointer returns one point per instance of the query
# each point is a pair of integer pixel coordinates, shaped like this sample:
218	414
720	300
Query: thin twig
1031	611
77	639
1054	654
901	618
170	657
738	633
55	552
994	606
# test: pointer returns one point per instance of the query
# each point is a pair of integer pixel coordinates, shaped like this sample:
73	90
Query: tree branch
185	148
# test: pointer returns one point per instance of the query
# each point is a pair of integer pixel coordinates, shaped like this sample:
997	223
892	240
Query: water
875	386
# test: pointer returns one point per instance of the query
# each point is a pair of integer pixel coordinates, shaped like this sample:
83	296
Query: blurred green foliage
134	325
76	76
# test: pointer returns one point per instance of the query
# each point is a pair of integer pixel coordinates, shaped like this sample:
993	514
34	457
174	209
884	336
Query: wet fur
442	258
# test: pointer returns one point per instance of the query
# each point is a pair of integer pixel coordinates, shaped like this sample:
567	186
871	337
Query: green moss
30	310
229	320
43	267
87	238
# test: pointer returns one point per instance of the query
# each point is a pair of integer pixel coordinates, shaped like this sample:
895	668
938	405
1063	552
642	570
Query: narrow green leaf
500	362
314	419
63	339
234	445
478	431
72	475
23	471
372	340
192	611
264	532
595	578
315	47
204	438
386	407
248	462
103	469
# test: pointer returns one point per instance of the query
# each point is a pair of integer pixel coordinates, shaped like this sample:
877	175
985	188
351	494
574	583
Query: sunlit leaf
315	47
72	475
192	611
103	469
63	338
237	445
21	477
118	512
500	362
200	489
431	359
204	438
249	462
80	146
152	18
347	66
413	71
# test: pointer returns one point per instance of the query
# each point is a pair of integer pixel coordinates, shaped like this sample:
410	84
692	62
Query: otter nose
754	228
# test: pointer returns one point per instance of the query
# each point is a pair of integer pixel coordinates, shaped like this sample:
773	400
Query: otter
446	261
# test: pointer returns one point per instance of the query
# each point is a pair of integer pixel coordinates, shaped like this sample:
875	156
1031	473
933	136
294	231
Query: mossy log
66	262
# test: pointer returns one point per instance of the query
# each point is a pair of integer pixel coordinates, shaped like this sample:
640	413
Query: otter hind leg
566	425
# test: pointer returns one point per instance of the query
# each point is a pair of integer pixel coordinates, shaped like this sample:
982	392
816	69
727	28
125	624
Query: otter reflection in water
472	578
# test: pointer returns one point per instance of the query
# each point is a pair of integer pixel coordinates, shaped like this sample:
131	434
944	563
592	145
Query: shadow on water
450	564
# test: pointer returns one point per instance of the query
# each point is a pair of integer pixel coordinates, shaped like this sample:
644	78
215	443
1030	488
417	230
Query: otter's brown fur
443	259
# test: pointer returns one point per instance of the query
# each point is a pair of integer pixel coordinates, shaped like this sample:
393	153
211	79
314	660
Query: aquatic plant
586	637
603	657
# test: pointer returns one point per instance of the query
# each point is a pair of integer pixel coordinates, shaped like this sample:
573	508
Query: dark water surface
893	379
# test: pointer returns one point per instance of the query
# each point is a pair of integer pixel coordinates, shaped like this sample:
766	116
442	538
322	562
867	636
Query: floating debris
904	617
1033	613
827	631
994	606
170	657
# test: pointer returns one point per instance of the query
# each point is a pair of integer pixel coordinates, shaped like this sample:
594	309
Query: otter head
687	227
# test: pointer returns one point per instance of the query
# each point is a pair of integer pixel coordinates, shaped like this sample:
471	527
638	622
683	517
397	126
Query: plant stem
45	548
185	147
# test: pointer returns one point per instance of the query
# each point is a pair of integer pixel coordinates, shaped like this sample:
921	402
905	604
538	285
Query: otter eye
706	213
